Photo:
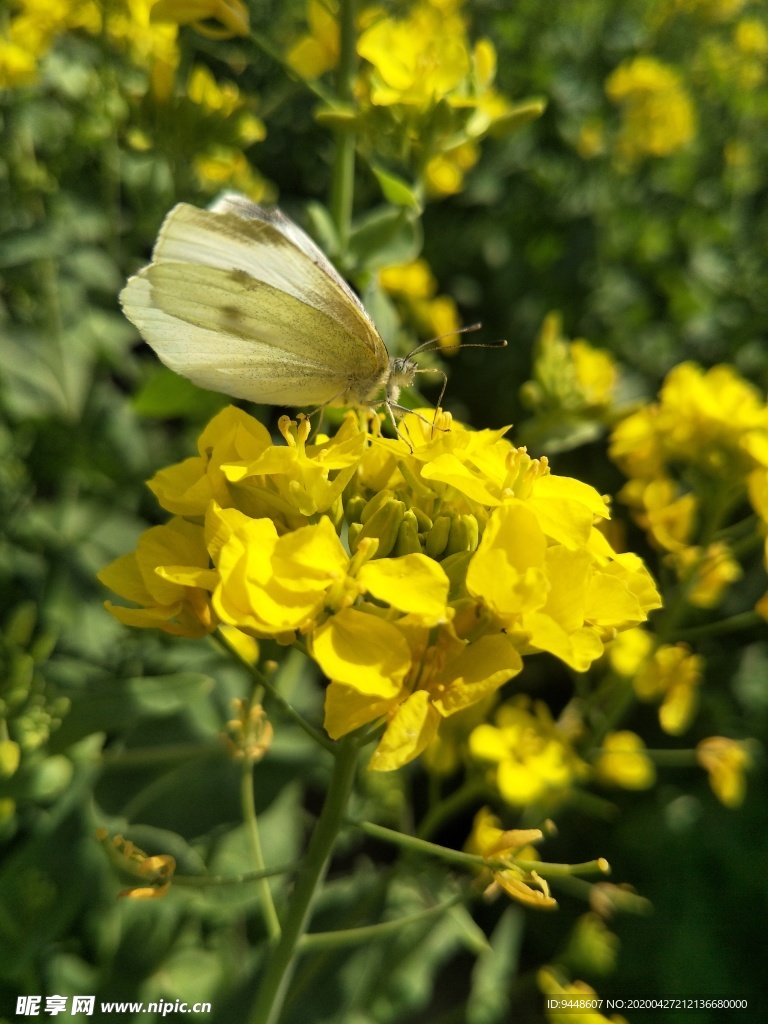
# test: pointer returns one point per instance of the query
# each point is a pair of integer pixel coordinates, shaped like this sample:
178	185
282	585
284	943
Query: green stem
451	806
216	881
135	756
368	933
343	180
549	870
420	846
734	623
277	698
281	962
247	798
465	860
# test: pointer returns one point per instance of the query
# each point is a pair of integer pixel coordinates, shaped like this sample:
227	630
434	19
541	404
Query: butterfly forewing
239	300
268	248
208	345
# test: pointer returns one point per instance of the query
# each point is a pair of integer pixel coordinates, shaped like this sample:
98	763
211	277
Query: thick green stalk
343	180
282	959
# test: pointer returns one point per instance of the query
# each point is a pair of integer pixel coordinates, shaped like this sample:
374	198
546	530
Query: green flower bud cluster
402	530
29	711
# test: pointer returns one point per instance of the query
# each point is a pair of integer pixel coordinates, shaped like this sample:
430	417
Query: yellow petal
413	583
477	671
347	709
410	729
362	651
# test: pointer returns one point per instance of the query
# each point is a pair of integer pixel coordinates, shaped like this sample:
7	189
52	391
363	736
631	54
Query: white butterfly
240	300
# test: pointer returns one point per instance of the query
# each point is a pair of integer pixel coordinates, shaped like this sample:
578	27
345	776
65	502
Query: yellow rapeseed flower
672	675
502	848
169	577
32	30
419	569
657	113
623	762
726	762
231	15
318	51
552	983
150	44
418	59
534	760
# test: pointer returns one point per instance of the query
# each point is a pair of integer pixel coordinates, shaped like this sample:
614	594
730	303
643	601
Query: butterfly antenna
434	343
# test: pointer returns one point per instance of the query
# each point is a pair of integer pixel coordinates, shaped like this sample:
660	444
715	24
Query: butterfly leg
442	392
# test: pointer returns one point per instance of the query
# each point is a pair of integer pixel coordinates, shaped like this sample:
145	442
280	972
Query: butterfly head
402	370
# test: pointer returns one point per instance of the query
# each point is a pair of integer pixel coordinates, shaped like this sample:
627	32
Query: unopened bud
384	525
437	538
408	542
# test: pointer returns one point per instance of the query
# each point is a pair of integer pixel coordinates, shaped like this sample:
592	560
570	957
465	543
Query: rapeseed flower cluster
569	377
32	30
657	114
695	458
423	87
417	572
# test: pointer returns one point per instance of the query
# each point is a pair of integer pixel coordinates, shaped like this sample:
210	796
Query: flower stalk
282	959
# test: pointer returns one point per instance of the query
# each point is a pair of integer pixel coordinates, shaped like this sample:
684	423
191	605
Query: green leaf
517	117
495	969
165	394
396	190
162	695
385	236
323	229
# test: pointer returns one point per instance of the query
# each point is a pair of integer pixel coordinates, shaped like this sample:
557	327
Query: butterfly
240	300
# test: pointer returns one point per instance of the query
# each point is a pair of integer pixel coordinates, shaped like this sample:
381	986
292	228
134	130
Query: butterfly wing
239	300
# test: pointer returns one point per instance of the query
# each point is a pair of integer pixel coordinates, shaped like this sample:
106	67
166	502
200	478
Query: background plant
634	206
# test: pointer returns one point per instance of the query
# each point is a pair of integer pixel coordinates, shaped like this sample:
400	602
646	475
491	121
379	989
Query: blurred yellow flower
595	371
751	37
707	573
534	760
629	651
32	30
673	675
231	15
318	51
222	97
225	166
657	113
414	280
436	316
418	59
726	762
623	762
552	983
149	44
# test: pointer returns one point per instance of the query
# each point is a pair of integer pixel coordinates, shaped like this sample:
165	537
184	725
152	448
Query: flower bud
408	542
353	509
437	538
383	524
373	506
